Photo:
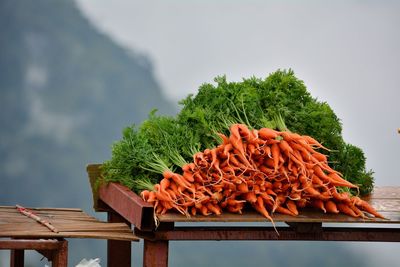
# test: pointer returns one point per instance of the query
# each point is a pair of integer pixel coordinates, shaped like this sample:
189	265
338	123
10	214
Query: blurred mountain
66	92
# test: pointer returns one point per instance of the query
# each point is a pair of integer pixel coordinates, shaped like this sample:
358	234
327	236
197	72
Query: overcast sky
347	53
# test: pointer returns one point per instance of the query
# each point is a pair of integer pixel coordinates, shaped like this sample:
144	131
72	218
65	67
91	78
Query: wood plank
368	234
95	235
69	221
29	244
304	216
119	253
386	192
129	205
386	204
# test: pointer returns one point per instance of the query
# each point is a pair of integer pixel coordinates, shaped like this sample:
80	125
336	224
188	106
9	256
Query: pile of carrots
272	171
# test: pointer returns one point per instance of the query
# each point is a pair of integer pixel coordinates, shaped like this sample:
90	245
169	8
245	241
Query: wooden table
308	225
19	233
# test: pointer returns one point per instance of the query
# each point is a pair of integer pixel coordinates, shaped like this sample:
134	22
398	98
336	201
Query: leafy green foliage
278	101
129	155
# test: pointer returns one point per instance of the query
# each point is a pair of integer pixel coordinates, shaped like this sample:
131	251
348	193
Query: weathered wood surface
72	223
386	200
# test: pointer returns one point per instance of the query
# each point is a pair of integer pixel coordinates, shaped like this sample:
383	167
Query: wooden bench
19	233
308	225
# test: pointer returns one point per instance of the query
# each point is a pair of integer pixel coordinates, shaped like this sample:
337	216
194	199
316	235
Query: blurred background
74	73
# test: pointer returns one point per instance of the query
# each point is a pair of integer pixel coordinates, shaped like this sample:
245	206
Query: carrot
275	151
236	139
292	207
188	167
164	184
301	203
305	153
344	196
346	210
224	138
279	200
145	194
331	207
188	175
267	133
260	207
267	151
177	178
236	208
368	208
161	195
269	162
227	148
313	142
339	180
312	191
319	204
235	202
171	193
214	208
251	148
320	157
320	173
315	179
242	187
285	211
285	147
193	210
250	197
204	210
295	196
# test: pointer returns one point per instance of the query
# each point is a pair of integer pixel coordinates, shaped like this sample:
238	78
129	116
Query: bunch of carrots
273	171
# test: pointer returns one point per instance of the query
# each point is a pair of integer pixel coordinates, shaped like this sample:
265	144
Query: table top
386	200
70	223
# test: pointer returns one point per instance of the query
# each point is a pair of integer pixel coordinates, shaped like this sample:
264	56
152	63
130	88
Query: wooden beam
118	252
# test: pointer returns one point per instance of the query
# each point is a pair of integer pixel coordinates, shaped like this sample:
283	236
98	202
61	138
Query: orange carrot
275	151
285	147
320	157
214	208
319	204
193	210
346	209
313	142
292	207
368	208
250	197
339	181
285	211
236	208
267	133
331	207
243	188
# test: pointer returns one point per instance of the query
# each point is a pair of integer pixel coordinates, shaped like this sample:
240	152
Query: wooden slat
129	205
70	222
304	216
95	235
386	192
